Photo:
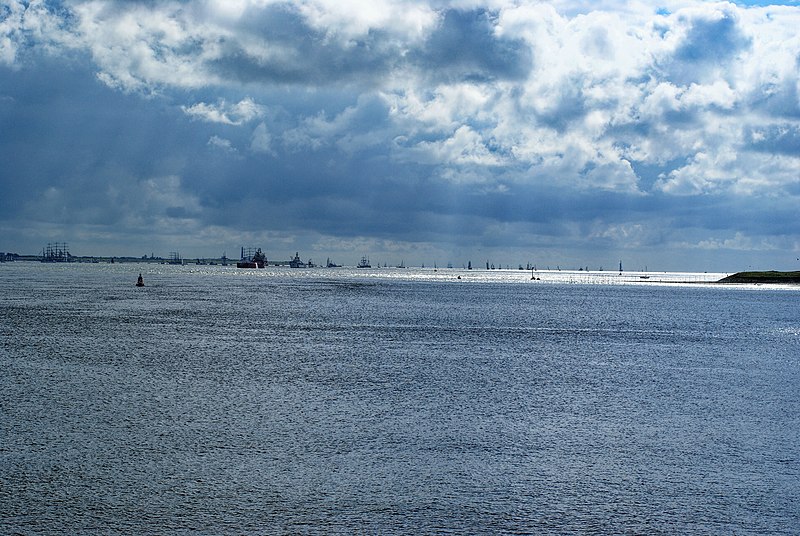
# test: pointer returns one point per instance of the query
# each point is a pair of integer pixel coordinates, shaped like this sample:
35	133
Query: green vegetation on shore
763	277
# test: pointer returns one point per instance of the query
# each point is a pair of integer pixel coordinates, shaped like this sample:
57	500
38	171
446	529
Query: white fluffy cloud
244	111
606	83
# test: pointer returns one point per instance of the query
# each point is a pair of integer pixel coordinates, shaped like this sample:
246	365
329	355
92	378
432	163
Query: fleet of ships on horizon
249	258
256	258
58	252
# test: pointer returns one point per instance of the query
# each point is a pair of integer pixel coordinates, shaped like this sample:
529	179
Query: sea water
279	401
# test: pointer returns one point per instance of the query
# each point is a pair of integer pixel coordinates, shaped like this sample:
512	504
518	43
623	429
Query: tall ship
175	258
252	259
57	252
364	263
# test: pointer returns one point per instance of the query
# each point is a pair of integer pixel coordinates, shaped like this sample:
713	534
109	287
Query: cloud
465	46
783	138
221	143
33	25
144	47
464	148
707	40
261	141
591	122
244	111
738	242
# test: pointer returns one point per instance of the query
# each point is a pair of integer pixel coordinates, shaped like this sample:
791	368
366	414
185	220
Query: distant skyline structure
562	133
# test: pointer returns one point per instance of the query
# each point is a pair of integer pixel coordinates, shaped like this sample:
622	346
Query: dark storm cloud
78	143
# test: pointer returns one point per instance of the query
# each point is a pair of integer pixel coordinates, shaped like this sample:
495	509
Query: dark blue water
223	402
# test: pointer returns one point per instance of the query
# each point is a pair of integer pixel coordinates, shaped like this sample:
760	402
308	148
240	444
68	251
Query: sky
568	133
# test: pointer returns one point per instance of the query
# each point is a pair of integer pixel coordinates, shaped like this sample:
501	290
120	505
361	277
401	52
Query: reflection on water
220	400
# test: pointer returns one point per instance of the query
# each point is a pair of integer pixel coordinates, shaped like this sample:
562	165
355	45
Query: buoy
140	281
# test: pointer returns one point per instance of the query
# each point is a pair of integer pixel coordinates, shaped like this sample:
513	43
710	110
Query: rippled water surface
225	401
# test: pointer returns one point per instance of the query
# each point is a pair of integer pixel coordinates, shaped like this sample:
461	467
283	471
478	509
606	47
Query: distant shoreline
771	277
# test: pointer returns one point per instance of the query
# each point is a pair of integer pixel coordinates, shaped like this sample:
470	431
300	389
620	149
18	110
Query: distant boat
330	264
364	263
256	260
57	252
296	262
